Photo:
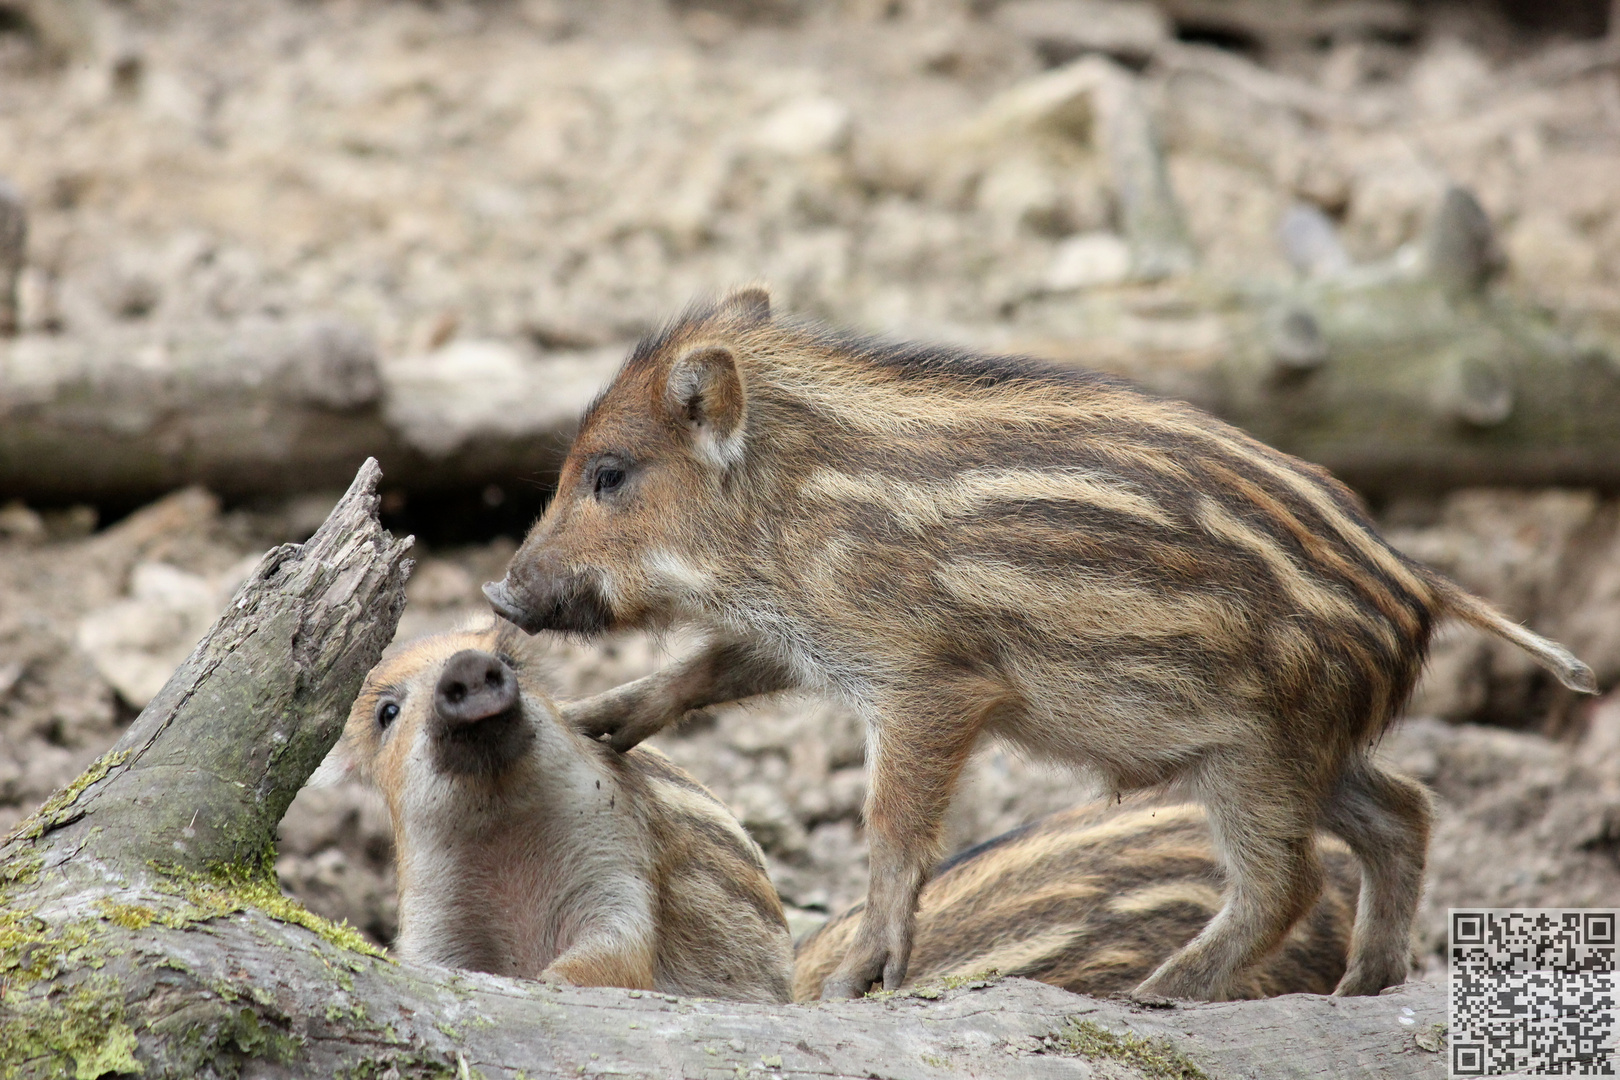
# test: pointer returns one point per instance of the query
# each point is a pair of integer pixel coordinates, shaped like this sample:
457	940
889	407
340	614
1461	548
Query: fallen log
142	932
1395	383
276	407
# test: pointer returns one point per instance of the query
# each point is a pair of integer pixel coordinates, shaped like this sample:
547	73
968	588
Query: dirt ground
565	174
569	173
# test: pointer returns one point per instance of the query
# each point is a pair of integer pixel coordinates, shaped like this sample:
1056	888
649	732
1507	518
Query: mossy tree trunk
142	932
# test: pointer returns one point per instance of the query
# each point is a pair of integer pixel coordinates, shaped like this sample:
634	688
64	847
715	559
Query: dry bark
141	930
273	407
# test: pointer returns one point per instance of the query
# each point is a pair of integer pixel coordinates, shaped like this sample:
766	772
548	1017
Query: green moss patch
76	1030
129	916
54	812
1154	1058
976	981
32	950
225	890
59	1015
21	867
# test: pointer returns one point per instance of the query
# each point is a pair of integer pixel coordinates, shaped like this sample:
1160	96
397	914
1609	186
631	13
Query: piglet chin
569	606
485	747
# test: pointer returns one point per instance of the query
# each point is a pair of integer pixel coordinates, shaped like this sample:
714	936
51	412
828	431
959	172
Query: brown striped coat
527	849
1093	900
960	546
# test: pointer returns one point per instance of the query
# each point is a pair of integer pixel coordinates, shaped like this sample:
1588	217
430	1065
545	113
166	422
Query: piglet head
628	540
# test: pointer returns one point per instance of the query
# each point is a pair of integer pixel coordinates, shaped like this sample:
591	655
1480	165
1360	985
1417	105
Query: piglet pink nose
474	686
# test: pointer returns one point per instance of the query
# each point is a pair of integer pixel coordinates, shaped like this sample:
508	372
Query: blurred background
245	244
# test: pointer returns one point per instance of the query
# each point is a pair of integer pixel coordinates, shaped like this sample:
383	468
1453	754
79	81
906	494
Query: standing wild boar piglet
959	545
526	849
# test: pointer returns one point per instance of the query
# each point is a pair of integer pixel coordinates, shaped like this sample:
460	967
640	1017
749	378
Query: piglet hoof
837	989
628	736
1168	986
855	977
588	721
1369	980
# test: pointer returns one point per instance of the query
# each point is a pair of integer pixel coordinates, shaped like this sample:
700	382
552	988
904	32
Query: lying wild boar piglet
526	849
1093	900
960	545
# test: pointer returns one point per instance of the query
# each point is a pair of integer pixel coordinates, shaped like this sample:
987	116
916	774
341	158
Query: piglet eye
608	479
387	713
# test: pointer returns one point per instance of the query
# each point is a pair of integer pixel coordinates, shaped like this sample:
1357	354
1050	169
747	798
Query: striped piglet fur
526	849
960	546
1093	900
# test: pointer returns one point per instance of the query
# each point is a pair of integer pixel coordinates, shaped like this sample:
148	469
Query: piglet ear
749	304
704	391
339	765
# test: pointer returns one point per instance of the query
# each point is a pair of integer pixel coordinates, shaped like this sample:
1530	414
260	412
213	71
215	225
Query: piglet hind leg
914	770
1264	834
721	672
604	962
1385	821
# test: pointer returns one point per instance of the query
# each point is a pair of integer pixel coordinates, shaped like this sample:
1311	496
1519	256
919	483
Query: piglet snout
478	725
474	686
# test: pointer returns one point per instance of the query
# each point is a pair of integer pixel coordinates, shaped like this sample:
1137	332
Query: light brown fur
1093	900
959	545
542	854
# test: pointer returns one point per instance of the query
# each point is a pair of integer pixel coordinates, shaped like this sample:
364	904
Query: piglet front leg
722	671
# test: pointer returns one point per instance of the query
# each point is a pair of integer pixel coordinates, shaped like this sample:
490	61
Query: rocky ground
565	173
555	176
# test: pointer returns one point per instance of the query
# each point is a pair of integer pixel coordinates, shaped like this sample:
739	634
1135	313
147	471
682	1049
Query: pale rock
1600	746
1087	261
769	820
1020	192
802	922
439	583
18	523
1311	243
36	299
1391	201
1583	187
136	643
1449	78
444	399
805	126
1545	252
1059	102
